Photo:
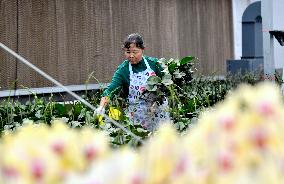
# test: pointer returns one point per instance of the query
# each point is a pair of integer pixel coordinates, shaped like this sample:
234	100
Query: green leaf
162	62
166	71
186	60
141	130
172	67
60	109
77	109
167	82
151	87
38	114
171	60
167	76
152	80
179	74
181	125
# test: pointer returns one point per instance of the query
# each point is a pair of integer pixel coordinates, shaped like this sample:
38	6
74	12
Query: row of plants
188	93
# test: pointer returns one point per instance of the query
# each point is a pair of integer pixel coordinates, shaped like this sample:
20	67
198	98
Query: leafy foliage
176	74
188	94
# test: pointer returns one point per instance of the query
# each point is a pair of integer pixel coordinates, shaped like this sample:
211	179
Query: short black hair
134	38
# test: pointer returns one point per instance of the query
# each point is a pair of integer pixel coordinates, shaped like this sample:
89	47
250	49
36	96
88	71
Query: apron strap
130	70
147	64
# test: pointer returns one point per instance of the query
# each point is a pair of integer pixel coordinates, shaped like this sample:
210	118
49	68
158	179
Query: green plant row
187	93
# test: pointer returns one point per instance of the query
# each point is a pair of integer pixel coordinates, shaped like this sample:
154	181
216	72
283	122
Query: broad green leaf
167	76
153	80
151	87
186	60
172	67
167	82
60	109
77	109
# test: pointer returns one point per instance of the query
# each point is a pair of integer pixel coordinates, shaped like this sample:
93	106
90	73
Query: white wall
239	7
278	24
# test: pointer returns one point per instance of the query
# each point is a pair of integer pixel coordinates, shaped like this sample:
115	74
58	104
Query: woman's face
133	54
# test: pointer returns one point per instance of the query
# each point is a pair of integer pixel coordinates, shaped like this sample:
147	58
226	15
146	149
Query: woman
132	76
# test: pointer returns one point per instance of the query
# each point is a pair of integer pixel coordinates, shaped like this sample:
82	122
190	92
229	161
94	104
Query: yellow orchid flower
101	120
114	113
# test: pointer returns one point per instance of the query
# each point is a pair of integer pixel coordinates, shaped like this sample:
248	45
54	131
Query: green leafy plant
176	74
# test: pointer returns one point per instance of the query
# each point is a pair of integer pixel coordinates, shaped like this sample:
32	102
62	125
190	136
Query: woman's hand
103	103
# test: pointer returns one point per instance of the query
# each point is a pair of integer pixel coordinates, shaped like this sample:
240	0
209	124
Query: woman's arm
116	83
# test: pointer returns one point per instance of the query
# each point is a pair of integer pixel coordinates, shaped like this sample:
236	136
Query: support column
268	42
